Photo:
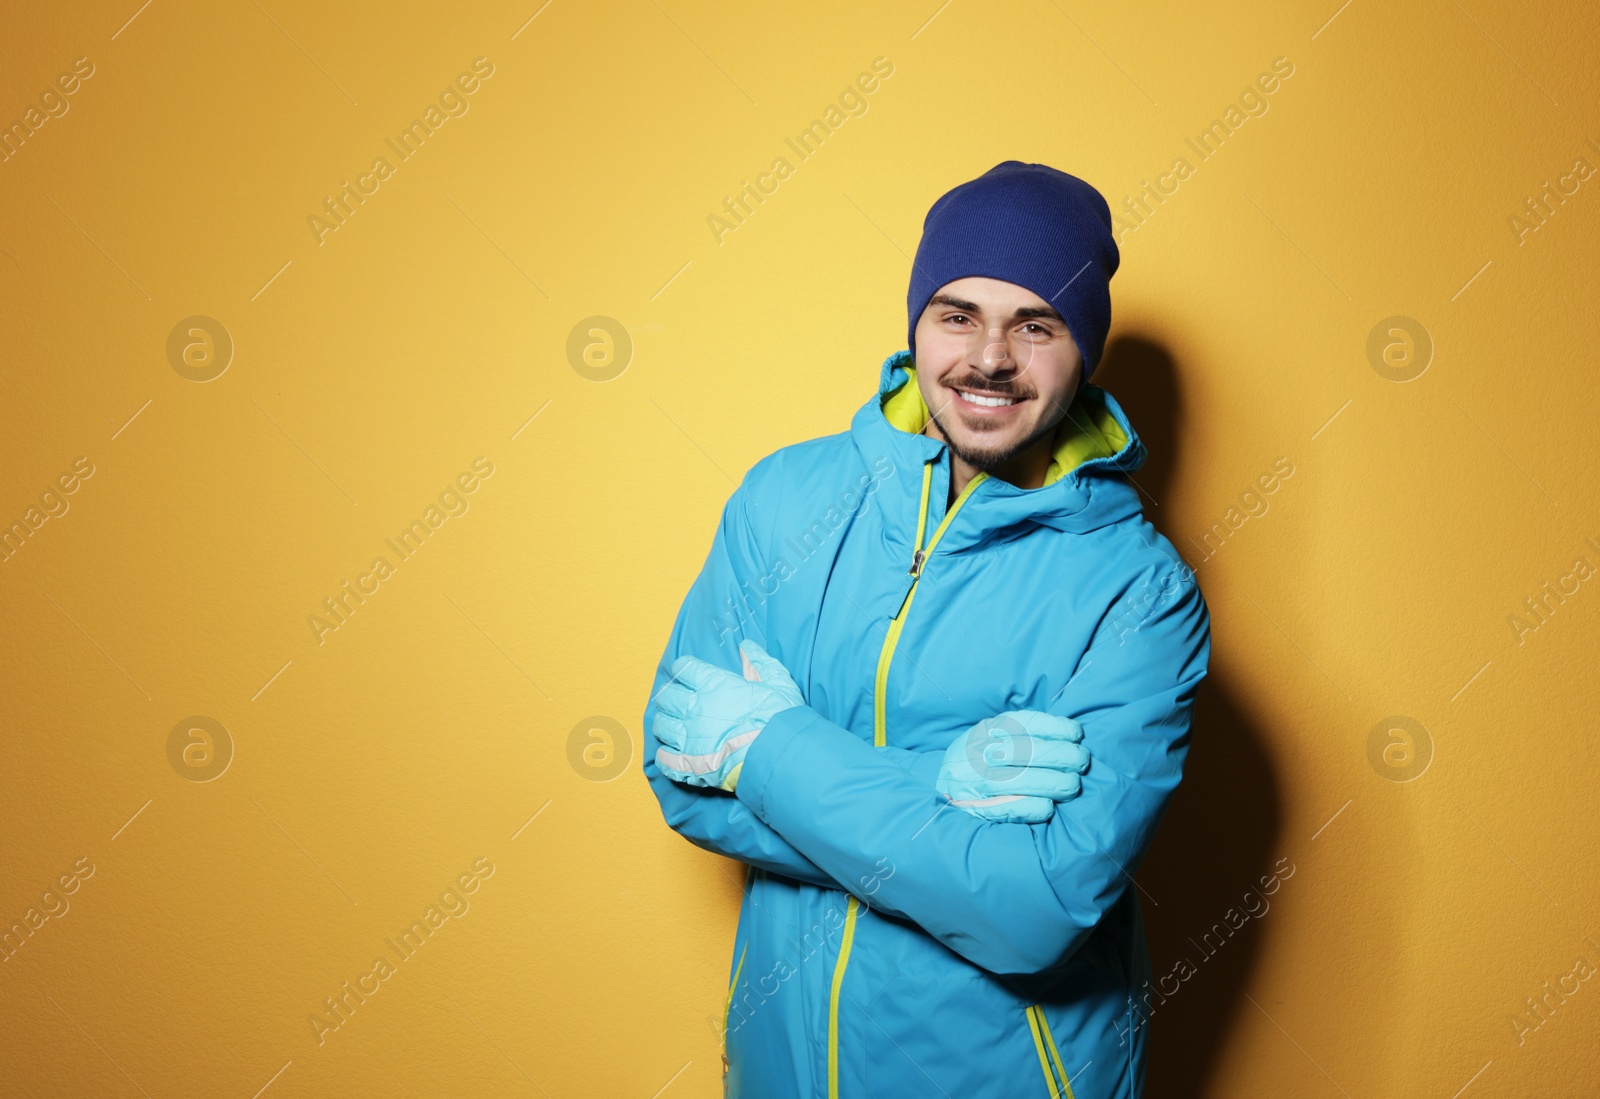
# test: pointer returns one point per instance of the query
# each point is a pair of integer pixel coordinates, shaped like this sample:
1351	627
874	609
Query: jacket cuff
761	759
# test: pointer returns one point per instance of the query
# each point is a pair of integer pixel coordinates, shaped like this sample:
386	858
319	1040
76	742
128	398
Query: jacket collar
1084	488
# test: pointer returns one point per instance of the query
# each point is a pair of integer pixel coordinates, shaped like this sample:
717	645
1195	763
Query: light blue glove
1014	767
707	717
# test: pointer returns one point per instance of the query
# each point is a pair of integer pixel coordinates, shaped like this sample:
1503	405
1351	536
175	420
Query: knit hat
1031	225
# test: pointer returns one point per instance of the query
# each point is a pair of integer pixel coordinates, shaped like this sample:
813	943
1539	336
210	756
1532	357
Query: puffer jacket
888	944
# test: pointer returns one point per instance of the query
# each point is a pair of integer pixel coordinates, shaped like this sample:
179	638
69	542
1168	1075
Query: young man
934	686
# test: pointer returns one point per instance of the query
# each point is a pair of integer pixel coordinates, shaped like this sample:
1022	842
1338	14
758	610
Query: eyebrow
1027	311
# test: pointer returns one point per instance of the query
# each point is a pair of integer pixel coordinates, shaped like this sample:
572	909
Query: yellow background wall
445	723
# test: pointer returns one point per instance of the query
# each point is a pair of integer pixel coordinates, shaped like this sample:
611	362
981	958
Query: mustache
983	385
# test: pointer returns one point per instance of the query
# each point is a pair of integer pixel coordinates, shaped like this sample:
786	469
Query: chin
992	436
983	450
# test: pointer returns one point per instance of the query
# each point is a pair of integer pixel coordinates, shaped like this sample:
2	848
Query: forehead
992	295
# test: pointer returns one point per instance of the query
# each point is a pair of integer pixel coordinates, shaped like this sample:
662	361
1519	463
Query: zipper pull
914	573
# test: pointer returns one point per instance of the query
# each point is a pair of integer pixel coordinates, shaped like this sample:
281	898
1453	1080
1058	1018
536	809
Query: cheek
932	394
1066	370
936	362
1050	369
936	344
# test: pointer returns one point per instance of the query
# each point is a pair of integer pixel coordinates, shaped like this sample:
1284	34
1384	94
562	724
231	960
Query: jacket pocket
751	875
1044	1045
727	1008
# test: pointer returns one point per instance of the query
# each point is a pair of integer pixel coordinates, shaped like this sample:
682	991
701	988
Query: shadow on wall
1220	835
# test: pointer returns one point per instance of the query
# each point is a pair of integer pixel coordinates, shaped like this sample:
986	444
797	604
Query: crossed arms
817	803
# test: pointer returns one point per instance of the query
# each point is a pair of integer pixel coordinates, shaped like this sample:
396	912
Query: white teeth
987	402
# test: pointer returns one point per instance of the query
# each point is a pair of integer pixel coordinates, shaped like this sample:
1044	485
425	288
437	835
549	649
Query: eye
956	317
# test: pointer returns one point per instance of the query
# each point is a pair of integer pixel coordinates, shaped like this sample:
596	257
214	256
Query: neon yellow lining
1089	430
833	998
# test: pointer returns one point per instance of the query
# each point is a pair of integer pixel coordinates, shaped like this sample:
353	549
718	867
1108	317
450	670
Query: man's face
996	366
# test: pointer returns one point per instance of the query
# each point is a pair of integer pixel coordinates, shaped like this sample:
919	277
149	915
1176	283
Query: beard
990	458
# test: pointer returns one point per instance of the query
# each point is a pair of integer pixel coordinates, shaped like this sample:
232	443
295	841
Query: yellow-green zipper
919	560
880	731
833	997
1040	1028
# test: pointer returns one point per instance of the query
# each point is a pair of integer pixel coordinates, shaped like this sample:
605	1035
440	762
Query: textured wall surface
374	376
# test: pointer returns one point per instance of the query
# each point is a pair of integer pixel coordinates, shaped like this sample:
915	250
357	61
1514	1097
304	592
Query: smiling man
943	741
998	410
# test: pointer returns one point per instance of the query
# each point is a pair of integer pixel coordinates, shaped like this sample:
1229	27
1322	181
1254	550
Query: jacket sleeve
1010	898
724	606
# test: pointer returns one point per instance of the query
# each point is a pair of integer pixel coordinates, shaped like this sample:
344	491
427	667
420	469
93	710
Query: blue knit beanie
1031	225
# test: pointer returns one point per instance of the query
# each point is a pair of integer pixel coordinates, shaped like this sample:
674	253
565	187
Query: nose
996	352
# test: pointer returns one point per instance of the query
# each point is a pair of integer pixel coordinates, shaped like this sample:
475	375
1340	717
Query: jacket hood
1084	487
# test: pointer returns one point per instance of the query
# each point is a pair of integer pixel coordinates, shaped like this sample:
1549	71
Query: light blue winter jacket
889	945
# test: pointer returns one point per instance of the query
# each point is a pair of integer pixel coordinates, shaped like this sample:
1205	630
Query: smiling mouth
982	402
